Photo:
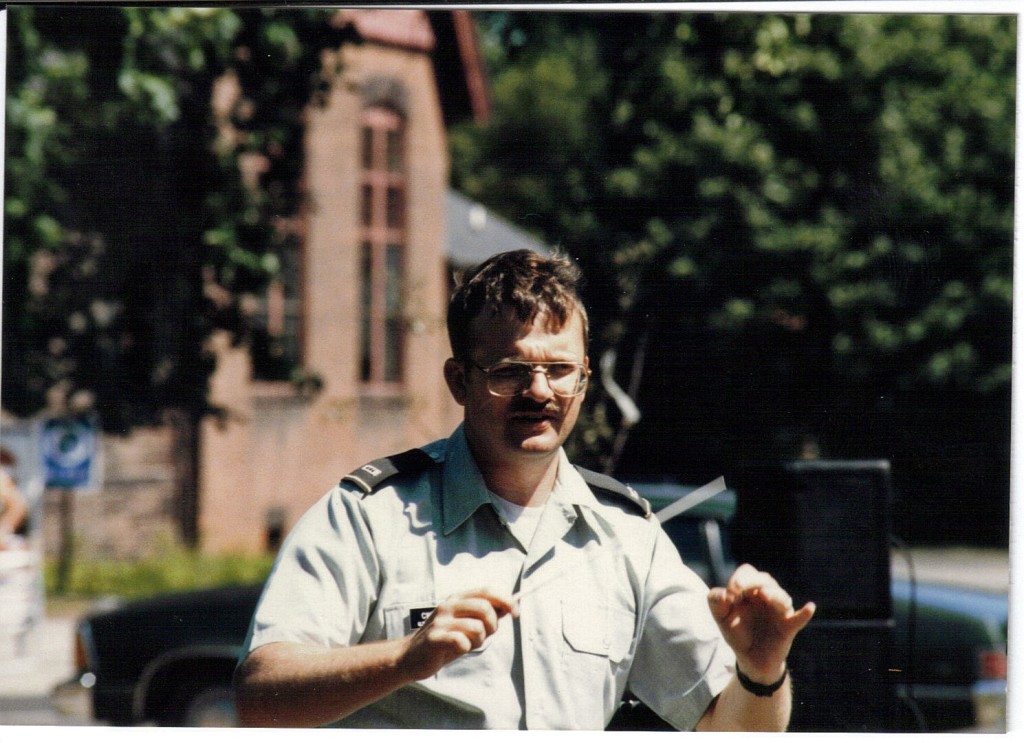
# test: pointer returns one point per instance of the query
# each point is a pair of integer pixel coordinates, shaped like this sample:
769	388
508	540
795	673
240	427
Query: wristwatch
760	690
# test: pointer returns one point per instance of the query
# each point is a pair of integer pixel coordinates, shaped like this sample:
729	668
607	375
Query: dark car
170	659
954	641
167	659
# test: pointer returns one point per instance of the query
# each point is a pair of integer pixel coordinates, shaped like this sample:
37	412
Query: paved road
988	569
25	683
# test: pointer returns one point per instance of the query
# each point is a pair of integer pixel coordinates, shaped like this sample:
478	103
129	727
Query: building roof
409	29
449	36
457	56
474	233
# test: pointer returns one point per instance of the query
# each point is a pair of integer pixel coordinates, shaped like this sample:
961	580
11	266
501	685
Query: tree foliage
802	223
130	234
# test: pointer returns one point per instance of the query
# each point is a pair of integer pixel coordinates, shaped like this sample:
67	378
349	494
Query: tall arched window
383	239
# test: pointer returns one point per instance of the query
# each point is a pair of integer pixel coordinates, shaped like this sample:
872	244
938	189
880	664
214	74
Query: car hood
959	599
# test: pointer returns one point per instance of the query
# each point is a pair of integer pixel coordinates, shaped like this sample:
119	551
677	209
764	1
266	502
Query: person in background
483	581
13	508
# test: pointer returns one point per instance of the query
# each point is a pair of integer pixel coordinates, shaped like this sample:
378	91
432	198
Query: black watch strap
760	690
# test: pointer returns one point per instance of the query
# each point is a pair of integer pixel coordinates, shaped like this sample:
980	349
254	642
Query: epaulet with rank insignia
371	476
613	487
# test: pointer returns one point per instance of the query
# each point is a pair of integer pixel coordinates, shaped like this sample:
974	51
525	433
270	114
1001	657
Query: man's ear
455	376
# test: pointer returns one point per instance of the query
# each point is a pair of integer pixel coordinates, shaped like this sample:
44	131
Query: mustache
525	405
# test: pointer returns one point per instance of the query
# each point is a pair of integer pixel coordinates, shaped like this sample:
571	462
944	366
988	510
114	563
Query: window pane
367	205
393	351
396	207
366	309
277	323
367	148
393	310
292	331
395	154
394	280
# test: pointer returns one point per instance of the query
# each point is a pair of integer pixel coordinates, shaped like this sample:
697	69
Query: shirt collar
573	493
464	489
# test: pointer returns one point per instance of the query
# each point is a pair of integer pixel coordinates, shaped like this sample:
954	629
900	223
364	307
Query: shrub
172	569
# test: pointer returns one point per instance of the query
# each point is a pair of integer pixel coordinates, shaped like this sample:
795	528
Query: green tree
129	233
802	223
122	189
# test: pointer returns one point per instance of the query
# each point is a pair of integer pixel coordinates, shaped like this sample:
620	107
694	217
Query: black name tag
418	617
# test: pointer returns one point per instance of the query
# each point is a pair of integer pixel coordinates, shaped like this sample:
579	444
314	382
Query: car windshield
699	533
685	534
691	539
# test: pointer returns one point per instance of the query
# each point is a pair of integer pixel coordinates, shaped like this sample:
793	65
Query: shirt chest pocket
597	629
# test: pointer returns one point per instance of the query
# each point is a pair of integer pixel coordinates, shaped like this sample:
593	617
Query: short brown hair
520	281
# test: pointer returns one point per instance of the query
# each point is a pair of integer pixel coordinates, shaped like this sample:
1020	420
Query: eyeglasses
511	378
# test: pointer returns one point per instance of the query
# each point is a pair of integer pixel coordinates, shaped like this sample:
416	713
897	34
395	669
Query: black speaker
821	528
842	679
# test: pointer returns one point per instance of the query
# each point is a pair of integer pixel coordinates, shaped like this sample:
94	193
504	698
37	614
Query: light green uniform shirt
607	606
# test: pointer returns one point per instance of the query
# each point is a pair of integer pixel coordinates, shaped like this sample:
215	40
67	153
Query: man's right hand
290	684
459	624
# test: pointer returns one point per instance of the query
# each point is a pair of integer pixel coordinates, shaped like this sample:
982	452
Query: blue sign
69	448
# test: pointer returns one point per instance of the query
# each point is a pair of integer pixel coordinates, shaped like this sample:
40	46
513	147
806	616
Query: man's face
534	423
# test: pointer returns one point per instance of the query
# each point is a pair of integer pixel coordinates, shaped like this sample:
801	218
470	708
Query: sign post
71	462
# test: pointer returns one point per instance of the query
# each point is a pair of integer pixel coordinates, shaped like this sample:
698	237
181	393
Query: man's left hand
758	621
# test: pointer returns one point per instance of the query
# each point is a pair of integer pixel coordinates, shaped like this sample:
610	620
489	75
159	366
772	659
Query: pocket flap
596	628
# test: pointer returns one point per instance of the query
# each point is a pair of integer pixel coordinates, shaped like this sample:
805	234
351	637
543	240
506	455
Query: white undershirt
522	521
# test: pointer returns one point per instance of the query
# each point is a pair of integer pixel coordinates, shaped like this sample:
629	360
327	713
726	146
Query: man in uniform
484	582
